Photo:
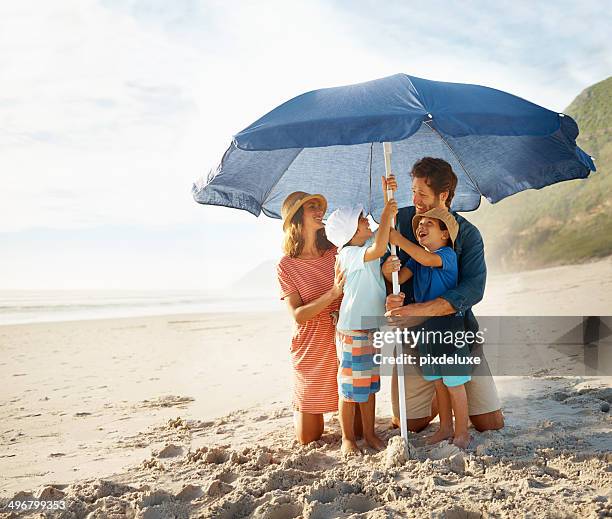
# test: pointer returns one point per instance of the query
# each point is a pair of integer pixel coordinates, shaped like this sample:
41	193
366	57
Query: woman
311	285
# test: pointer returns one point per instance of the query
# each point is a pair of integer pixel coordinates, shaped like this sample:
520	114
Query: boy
434	267
359	251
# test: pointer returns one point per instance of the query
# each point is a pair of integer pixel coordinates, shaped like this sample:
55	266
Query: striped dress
313	351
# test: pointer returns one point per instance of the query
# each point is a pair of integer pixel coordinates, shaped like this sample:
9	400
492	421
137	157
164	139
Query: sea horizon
48	305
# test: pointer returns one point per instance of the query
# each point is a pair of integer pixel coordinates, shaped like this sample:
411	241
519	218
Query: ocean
30	306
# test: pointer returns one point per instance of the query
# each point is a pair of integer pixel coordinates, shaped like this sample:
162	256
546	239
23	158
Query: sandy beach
190	416
169	167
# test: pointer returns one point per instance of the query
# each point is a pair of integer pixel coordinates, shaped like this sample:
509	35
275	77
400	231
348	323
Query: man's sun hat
294	201
342	225
439	214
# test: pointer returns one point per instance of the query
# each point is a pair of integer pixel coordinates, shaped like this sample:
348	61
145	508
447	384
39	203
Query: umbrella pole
396	289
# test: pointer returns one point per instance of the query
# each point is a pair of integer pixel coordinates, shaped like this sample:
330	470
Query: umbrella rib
454	155
265	199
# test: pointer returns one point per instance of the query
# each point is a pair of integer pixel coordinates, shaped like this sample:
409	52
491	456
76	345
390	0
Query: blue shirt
364	288
432	282
470	261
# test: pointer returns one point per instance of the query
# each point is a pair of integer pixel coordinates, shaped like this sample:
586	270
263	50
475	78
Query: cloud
529	49
110	109
126	103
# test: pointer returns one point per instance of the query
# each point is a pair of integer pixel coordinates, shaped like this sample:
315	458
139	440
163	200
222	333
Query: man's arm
472	273
438	306
470	289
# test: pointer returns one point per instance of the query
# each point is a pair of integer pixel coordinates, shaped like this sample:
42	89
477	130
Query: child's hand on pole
389	211
389	183
394	237
392	264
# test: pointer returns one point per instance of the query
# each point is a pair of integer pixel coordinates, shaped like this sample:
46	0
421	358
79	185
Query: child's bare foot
462	440
349	448
440	435
375	442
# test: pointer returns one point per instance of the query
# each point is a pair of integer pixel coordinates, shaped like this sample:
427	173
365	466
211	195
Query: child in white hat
359	252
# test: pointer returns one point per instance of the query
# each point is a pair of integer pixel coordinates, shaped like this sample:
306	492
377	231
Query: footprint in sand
190	492
359	503
227	477
167	401
442	450
170	451
279	508
458	512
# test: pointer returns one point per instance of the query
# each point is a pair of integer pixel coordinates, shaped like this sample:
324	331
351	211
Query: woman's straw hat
439	214
294	201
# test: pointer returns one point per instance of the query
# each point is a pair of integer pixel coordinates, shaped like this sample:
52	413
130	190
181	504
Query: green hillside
564	223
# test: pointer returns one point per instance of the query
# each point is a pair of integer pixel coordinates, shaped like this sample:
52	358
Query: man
433	185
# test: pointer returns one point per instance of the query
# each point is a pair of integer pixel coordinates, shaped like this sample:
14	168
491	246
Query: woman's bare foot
462	440
375	442
440	435
349	448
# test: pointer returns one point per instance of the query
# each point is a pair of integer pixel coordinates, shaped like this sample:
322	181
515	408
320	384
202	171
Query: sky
110	110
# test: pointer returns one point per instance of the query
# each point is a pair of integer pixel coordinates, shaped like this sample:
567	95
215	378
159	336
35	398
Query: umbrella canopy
329	141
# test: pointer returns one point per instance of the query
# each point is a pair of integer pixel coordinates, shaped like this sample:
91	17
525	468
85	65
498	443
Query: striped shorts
358	376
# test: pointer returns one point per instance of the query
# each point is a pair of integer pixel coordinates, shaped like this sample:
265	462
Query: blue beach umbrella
338	142
330	141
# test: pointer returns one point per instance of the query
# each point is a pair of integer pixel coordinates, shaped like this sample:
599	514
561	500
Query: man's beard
428	208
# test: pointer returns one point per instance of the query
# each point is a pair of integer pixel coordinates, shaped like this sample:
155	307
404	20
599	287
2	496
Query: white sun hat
342	225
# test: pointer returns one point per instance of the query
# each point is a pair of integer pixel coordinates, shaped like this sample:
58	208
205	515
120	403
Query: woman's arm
424	257
304	312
